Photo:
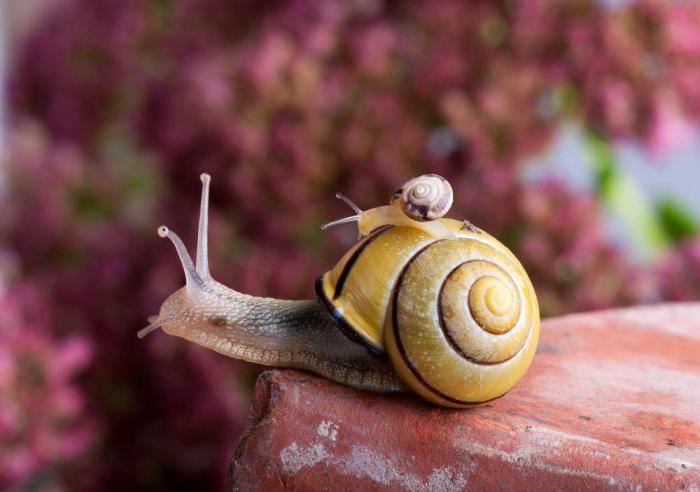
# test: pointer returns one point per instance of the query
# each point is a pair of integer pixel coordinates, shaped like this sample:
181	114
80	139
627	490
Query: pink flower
669	128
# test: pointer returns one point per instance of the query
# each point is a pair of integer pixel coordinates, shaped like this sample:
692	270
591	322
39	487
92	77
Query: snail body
423	302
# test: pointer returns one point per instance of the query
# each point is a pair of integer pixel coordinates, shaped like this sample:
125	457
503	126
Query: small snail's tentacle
350	203
203	230
192	278
345	220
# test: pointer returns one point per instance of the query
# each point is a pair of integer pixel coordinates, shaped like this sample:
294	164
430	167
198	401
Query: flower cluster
80	239
43	426
679	272
119	105
573	264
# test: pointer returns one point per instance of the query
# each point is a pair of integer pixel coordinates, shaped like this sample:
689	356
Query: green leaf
623	196
678	221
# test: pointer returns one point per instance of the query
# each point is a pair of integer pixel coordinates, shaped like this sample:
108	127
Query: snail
420	302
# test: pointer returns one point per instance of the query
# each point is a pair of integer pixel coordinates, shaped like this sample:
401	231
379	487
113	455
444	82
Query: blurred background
568	129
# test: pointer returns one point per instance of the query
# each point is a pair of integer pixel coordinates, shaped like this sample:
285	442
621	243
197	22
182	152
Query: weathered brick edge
611	404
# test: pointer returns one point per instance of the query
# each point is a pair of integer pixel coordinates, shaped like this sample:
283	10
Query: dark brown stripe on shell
353	259
399	342
448	335
417	212
438	209
345	327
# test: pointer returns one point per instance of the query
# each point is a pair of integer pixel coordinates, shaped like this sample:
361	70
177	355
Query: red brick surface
612	402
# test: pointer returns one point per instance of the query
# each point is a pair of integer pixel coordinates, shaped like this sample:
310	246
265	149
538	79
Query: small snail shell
425	198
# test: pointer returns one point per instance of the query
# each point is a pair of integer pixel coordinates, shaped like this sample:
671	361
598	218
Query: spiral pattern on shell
464	321
425	198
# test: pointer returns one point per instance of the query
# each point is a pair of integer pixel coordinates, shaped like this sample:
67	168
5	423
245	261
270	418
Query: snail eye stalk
191	276
194	275
350	203
345	220
203	229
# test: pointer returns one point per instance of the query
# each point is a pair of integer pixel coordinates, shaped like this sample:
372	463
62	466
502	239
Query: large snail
450	305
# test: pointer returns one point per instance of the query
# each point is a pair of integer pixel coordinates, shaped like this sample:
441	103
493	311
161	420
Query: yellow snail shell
458	317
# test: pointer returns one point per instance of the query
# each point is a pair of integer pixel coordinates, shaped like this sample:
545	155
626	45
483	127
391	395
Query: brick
611	402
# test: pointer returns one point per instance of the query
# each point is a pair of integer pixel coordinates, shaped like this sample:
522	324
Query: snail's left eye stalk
345	220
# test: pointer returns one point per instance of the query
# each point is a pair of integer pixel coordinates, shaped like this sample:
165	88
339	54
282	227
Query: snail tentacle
192	277
203	229
143	332
350	203
344	220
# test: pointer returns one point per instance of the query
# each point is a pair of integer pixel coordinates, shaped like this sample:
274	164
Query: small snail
449	306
